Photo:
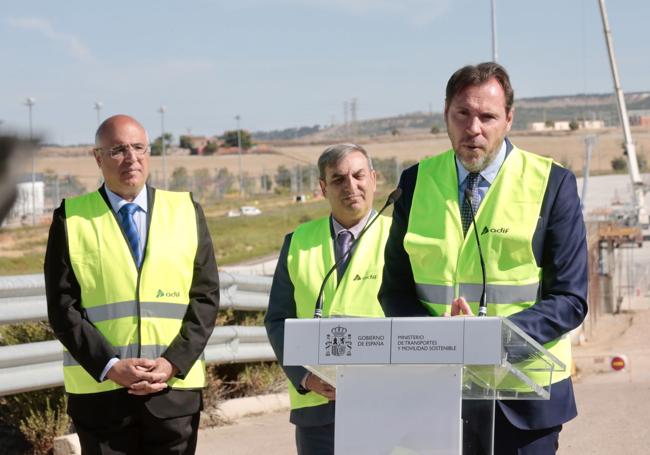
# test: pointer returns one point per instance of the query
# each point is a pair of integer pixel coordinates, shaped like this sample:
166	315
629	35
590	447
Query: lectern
403	385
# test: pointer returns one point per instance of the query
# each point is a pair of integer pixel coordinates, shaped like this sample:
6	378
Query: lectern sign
354	341
427	340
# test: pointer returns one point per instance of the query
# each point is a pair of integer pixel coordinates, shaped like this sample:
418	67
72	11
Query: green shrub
41	426
619	164
39	415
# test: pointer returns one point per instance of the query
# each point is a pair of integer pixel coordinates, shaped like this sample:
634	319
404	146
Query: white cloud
70	43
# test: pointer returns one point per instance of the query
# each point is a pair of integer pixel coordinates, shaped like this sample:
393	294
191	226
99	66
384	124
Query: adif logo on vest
161	294
369	276
501	230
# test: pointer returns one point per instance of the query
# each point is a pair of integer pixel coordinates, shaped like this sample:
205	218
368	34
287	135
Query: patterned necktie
465	213
131	230
343	242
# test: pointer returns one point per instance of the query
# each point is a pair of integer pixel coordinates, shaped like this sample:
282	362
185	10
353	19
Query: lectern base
398	410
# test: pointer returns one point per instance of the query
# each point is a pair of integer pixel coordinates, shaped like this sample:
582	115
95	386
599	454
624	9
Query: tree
283	177
230	139
573	125
619	164
156	146
185	142
265	182
435	128
180	180
201	183
223	182
210	148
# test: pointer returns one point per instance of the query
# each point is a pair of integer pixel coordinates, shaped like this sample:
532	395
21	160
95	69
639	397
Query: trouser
139	433
315	440
508	439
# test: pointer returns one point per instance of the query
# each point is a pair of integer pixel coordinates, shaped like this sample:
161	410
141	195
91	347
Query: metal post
29	102
98	108
589	144
162	110
241	180
494	30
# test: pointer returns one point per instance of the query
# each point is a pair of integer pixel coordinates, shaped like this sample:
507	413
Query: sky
287	63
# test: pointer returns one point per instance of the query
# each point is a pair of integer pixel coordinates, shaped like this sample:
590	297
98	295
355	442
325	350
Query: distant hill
528	110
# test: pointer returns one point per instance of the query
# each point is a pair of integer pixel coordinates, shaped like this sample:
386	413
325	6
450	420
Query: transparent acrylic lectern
407	386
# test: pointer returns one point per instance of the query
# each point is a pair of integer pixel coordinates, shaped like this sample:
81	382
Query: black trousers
315	440
508	439
139	433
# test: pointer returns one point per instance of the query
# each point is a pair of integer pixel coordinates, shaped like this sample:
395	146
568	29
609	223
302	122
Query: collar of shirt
489	173
355	230
117	202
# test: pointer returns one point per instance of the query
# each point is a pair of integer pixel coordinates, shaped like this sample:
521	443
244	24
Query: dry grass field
567	148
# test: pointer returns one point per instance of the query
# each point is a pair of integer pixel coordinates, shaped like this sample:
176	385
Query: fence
34	366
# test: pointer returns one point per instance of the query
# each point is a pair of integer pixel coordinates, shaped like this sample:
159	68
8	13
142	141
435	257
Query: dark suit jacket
89	347
560	250
282	305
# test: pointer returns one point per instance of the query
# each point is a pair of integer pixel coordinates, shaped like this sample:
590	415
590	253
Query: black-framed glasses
121	150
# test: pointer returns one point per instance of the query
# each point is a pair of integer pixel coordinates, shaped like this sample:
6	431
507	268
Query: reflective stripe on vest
139	313
311	255
446	264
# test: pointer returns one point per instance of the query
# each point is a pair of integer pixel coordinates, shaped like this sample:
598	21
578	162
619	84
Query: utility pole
98	107
162	110
241	179
29	102
494	31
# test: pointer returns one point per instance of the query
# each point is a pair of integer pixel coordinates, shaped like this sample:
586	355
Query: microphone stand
482	305
392	198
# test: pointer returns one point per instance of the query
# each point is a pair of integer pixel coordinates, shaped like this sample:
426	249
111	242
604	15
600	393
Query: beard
480	163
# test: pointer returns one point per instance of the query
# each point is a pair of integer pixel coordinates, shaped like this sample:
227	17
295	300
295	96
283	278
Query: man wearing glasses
132	293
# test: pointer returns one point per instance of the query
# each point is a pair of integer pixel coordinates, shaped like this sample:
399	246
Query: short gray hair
335	153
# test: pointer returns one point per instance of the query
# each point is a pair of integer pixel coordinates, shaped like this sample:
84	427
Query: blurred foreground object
10	157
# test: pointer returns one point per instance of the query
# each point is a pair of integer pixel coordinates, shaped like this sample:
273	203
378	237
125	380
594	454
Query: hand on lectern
314	384
460	307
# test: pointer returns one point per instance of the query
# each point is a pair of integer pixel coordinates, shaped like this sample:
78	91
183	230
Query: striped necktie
131	230
472	180
343	241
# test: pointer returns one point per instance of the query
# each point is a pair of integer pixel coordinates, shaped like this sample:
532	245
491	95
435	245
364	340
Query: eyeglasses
120	151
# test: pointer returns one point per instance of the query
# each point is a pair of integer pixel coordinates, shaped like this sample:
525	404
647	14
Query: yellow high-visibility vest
311	255
446	263
138	312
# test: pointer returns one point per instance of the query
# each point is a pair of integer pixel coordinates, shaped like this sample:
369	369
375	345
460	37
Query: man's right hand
127	372
314	384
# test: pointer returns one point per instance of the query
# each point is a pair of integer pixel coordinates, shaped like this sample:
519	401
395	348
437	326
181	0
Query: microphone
482	305
392	198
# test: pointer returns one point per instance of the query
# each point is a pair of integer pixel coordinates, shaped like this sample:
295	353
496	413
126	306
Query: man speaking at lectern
348	182
532	236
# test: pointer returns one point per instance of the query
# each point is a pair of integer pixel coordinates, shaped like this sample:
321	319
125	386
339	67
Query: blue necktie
131	230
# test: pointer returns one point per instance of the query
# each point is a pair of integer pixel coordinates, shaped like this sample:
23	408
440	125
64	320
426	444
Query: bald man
132	294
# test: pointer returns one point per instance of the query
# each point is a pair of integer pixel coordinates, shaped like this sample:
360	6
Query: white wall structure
25	205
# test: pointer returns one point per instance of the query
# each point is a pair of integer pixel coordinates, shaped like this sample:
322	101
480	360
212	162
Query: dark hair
335	153
472	75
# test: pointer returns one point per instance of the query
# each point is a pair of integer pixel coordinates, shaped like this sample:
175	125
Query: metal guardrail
34	366
22	297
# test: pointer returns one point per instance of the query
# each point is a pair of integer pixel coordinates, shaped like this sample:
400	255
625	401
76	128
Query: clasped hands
142	376
459	307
